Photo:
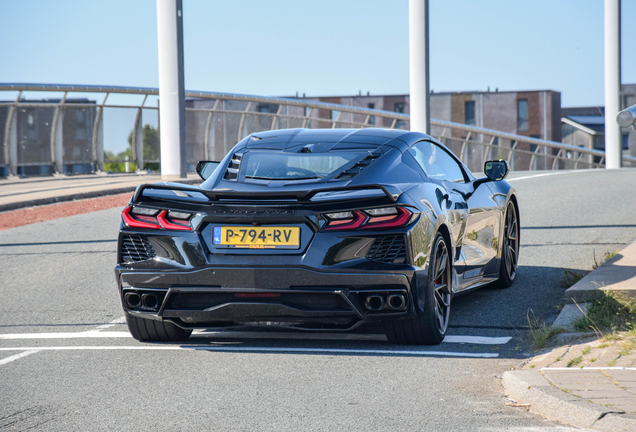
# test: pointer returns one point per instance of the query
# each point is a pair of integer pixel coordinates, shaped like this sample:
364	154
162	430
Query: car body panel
199	284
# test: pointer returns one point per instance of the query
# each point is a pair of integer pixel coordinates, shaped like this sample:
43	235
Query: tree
152	151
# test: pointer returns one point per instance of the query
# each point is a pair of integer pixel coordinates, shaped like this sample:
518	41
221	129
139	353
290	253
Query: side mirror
496	170
206	168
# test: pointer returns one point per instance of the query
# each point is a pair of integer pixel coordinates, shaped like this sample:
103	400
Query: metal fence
72	129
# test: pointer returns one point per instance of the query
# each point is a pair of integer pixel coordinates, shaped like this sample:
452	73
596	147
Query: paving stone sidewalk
590	384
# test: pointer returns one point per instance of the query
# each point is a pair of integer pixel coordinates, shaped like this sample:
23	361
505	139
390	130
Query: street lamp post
613	144
418	66
171	89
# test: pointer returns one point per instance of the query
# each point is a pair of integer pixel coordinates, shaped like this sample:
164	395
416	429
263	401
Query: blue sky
327	47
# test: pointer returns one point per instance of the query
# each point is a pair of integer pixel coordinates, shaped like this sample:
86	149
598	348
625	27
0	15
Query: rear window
257	165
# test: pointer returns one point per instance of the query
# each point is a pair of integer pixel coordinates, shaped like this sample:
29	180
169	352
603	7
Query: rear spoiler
196	195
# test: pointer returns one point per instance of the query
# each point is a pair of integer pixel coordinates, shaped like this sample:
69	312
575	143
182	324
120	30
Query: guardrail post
307	116
98	138
11	138
279	111
138	138
138	141
57	137
240	130
208	126
334	122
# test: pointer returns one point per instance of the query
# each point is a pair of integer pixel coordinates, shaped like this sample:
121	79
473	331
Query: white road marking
288	335
549	174
18	356
75	335
587	368
113	323
478	340
265	350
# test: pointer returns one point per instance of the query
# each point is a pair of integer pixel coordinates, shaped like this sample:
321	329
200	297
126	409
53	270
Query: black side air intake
136	248
233	168
349	173
388	249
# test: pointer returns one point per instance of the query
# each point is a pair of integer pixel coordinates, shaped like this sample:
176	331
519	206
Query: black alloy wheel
430	325
442	284
510	248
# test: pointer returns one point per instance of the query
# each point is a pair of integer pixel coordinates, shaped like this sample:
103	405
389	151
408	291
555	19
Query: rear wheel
429	326
147	330
510	249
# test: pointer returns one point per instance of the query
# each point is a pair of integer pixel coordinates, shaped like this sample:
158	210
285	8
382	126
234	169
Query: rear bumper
288	297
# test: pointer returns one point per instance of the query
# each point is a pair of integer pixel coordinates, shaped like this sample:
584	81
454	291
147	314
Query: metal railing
65	133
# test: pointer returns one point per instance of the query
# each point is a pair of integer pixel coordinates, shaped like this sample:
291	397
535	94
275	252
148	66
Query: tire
510	249
147	330
430	325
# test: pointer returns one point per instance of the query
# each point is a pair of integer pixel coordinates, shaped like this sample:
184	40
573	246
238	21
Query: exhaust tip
396	301
374	302
150	301
132	300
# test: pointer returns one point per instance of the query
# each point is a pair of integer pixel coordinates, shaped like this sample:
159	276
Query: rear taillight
393	221
142	217
385	217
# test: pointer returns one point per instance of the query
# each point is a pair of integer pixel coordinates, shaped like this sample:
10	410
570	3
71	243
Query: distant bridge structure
46	129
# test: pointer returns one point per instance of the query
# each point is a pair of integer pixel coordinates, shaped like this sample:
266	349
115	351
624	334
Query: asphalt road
67	362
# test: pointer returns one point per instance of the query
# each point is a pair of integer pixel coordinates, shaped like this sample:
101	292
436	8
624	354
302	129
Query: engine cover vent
136	248
388	249
233	168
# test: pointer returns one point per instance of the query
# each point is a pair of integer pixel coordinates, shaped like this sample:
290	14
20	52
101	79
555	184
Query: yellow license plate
250	237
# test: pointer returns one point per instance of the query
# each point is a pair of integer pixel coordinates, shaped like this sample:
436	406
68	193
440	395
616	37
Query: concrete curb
616	274
76	196
532	388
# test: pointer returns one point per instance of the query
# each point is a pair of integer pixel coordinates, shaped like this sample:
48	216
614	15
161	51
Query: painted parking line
477	340
587	368
18	356
71	335
111	324
264	350
549	174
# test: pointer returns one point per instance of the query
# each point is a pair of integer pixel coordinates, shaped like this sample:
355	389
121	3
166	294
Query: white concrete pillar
171	89
613	145
418	66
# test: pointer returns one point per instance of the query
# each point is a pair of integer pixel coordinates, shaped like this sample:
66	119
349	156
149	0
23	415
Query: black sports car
317	230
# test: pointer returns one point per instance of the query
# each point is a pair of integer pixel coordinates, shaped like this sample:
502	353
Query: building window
625	141
307	110
469	113
334	115
371	118
399	108
263	108
629	101
522	115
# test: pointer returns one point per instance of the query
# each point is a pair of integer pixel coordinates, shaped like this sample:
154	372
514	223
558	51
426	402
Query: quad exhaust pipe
136	301
379	302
